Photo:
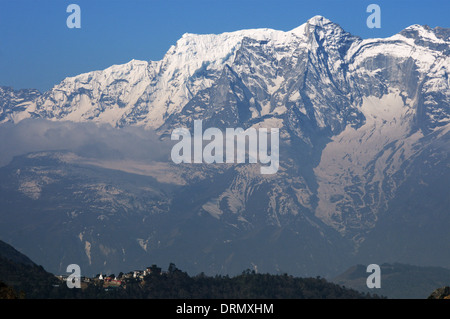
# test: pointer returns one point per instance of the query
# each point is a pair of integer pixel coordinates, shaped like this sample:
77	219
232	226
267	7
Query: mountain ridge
199	54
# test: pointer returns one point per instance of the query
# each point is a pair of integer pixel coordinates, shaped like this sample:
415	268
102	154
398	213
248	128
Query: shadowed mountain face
364	144
8	252
22	278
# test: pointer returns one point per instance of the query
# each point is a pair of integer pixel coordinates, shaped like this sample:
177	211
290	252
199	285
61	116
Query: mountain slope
398	281
25	277
8	252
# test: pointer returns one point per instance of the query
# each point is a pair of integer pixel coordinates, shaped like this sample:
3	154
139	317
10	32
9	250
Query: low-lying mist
89	140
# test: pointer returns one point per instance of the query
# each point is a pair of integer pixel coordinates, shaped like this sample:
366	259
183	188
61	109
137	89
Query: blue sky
37	50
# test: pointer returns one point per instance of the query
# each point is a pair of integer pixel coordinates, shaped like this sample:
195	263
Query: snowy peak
319	21
193	52
425	33
317	24
14	103
96	81
100	96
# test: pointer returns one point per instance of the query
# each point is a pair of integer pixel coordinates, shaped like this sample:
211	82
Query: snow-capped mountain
14	103
268	63
363	123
